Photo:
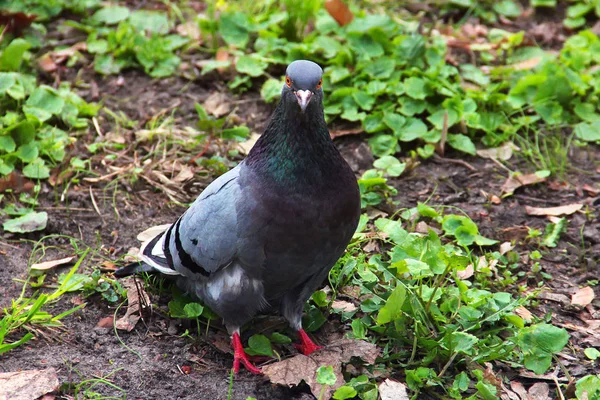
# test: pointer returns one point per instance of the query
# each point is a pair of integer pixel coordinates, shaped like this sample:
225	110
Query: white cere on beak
303	97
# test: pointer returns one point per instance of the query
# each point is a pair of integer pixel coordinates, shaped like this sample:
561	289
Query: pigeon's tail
152	259
133	268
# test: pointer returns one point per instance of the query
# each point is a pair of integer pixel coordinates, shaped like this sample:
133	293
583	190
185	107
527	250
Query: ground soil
148	362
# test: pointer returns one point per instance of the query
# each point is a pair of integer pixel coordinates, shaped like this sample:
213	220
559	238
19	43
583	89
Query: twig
95	121
94	202
558	388
451	160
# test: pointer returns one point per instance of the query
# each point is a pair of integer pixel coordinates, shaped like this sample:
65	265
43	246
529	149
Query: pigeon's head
303	80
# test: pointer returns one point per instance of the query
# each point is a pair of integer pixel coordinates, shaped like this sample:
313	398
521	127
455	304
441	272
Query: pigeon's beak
303	97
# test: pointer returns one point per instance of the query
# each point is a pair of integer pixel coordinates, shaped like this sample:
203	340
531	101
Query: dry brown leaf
339	11
557	297
27	385
304	368
506	247
527	64
106	322
345	132
217	104
591	190
554	211
583	296
519	389
248	144
516	181
466	273
190	29
151	232
46	265
185	174
345	306
392	390
15	182
136	298
371	247
539	391
503	152
46	63
524	313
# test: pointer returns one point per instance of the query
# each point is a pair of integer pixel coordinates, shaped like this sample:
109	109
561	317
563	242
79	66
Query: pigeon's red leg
306	345
239	355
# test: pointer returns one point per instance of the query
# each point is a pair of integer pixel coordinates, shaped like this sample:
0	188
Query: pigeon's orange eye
288	81
320	84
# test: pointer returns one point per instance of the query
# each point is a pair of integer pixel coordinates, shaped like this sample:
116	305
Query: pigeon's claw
306	345
240	356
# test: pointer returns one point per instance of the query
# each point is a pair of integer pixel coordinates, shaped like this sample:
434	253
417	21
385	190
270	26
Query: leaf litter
300	368
28	384
137	302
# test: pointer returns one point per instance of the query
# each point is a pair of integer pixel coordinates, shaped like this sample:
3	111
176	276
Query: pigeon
263	236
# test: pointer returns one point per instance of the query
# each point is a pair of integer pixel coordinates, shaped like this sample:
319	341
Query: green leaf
326	376
12	56
271	90
592	353
543	3
279	338
260	345
508	8
313	320
588	387
462	143
47	99
7	80
462	342
320	298
414	129
538	343
7	144
30	222
338	74
391	165
193	310
37	169
251	65
392	309
28	152
150	21
238	133
553	231
364	100
110	15
344	392
233	28
415	88
588	132
382	68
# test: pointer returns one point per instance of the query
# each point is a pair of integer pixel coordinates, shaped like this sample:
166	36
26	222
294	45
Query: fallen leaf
539	391
16	21
52	263
557	297
392	390
506	247
190	29
217	104
345	306
339	11
583	296
47	64
591	190
527	64
466	273
503	153
304	368
106	322
247	145
151	232
346	132
519	389
185	174
136	299
554	211
27	385
515	181
524	313
15	182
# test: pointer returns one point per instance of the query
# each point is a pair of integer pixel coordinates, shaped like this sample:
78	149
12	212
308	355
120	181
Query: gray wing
204	238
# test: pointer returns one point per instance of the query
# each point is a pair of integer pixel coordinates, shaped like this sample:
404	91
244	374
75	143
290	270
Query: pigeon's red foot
306	346
240	356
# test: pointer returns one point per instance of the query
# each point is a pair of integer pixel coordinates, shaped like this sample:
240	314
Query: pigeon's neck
296	148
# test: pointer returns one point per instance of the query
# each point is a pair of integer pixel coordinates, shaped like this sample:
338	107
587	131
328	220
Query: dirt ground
147	362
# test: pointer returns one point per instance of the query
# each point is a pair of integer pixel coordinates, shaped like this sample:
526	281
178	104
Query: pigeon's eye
320	84
288	81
